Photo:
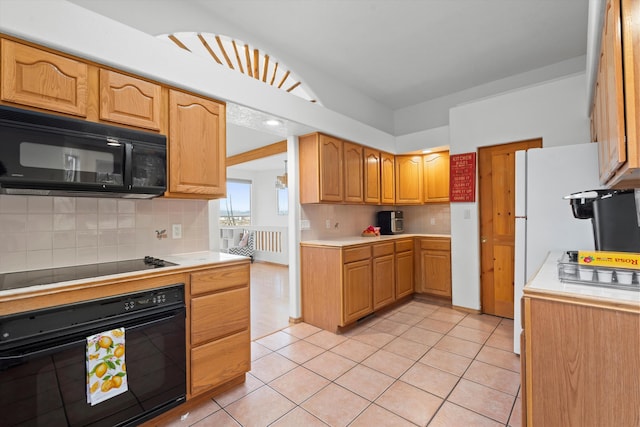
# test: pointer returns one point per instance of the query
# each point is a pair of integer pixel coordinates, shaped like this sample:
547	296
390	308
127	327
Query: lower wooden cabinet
404	268
343	284
581	361
219	324
435	266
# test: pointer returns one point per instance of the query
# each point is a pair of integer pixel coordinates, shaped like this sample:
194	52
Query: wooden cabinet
387	179
340	285
383	270
435	168
129	101
435	266
41	79
615	124
404	267
409	180
321	166
196	147
581	361
219	315
353	172
372	176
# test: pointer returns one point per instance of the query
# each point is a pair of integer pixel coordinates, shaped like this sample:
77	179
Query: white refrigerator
544	220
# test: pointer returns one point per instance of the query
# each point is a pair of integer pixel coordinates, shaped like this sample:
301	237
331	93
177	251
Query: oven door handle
66	345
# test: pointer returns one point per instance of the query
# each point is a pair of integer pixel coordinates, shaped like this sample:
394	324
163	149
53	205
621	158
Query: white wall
554	111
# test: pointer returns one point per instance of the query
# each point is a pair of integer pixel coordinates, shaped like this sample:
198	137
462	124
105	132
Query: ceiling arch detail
243	58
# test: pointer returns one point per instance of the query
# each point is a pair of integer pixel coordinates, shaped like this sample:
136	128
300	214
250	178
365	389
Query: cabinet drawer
436	244
219	361
219	314
404	245
219	278
382	249
356	254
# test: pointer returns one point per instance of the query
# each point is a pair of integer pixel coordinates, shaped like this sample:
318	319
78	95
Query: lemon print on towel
106	372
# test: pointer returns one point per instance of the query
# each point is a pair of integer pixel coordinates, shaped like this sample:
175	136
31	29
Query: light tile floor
421	364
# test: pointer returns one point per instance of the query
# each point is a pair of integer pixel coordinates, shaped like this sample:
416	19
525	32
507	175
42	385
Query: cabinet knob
483	239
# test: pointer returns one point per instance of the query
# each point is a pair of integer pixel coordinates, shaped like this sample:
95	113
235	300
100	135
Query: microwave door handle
128	165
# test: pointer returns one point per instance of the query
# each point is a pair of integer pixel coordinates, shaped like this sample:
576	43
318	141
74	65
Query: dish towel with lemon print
106	370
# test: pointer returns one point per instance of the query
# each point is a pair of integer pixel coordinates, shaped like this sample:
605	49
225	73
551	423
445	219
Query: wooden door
496	172
357	291
331	172
353	172
129	100
372	173
388	179
436	177
197	146
42	79
409	180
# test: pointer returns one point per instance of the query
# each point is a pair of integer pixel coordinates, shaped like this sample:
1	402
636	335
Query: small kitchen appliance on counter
614	216
391	222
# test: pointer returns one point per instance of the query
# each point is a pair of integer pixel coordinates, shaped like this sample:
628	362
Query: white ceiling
397	52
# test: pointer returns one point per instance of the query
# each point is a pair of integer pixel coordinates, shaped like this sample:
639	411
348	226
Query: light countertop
184	262
546	280
358	240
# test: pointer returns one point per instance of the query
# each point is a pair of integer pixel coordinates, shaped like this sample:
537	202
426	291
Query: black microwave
44	154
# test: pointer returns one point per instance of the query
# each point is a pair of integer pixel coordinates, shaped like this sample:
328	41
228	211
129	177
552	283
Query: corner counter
580	352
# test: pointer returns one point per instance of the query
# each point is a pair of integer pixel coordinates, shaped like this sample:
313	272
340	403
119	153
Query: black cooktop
23	279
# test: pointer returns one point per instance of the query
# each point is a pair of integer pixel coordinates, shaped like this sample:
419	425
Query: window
235	210
282	197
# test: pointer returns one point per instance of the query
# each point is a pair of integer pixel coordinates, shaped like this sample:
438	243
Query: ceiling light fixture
426	151
273	122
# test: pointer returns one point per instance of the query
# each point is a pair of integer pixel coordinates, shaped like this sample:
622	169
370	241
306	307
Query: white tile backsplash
43	232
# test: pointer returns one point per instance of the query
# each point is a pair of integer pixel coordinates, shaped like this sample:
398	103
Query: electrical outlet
327	223
176	231
305	224
433	221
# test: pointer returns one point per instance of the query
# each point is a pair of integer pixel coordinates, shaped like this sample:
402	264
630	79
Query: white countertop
183	261
358	240
546	280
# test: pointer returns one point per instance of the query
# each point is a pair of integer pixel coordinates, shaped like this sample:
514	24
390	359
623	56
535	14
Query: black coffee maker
615	217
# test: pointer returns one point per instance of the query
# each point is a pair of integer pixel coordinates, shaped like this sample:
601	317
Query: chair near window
246	247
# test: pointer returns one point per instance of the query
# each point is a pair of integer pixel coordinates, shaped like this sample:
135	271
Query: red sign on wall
462	181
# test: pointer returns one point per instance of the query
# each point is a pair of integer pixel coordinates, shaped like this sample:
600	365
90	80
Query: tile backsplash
350	220
43	232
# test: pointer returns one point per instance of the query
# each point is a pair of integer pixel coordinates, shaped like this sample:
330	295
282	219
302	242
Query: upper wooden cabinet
129	100
387	179
372	176
409	178
196	147
321	169
614	119
435	168
353	172
41	79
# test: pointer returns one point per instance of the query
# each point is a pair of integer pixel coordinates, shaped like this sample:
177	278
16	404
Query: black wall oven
44	353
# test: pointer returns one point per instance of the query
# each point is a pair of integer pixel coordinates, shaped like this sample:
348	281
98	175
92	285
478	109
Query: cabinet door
383	281
409	180
42	79
129	101
217	362
197	139
435	266
436	177
372	170
357	291
614	150
404	274
353	172
331	171
388	179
